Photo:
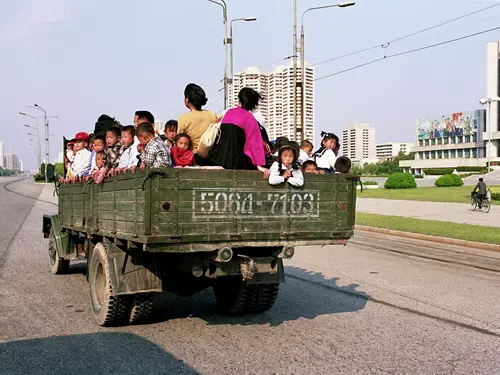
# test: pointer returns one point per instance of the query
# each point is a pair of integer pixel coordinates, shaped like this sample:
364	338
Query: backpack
209	138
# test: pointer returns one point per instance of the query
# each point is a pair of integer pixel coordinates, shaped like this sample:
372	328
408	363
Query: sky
80	59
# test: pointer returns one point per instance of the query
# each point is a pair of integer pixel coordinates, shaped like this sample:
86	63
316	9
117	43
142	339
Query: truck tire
238	298
141	308
58	265
108	310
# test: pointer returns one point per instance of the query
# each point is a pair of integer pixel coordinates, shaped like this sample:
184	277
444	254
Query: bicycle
475	202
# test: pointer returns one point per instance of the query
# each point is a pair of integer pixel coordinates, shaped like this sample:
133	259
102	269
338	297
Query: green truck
185	230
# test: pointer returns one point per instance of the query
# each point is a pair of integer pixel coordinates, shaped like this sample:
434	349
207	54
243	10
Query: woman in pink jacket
240	144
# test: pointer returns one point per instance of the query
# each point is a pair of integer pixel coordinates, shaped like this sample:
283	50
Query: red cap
81	136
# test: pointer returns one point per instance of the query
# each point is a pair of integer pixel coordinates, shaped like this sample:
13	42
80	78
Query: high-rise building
2	164
159	126
358	143
277	107
20	166
389	150
11	161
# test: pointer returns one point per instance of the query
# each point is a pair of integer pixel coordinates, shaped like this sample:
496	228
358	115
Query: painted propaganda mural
451	125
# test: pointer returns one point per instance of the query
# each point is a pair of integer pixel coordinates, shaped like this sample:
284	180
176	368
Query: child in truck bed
286	169
155	154
181	153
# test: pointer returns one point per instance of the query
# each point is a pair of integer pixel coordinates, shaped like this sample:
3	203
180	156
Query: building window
474	138
467	138
460	153
421	142
427	142
439	154
446	140
460	139
427	155
440	141
474	153
433	141
453	154
446	154
420	155
453	140
467	153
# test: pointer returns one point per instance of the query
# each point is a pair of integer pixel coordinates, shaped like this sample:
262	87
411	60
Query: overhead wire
386	44
408	52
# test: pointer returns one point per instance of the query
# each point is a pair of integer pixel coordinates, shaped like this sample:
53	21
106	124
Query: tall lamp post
490	125
301	128
38	137
222	3
46	122
230	42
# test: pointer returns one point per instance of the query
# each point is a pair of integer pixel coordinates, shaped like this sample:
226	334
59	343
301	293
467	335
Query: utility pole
296	47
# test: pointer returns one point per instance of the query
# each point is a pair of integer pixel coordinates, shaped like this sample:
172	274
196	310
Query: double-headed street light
230	41
300	129
490	125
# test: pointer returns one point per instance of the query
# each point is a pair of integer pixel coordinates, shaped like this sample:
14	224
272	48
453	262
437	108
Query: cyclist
481	189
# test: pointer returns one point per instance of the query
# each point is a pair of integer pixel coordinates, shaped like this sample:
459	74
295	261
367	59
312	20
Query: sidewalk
449	212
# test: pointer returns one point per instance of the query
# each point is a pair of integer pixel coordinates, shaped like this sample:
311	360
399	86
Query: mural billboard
451	125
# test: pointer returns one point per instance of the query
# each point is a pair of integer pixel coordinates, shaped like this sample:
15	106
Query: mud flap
268	272
140	274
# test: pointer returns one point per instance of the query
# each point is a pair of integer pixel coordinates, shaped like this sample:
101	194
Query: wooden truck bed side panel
196	205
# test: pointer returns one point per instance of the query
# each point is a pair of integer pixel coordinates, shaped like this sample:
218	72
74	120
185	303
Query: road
358	309
440	211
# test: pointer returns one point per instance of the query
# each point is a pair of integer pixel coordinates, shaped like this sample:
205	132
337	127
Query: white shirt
129	157
275	179
81	163
69	155
303	156
327	160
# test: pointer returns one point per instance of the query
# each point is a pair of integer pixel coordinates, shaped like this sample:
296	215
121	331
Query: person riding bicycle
481	189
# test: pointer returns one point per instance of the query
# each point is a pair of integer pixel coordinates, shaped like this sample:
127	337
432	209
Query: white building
461	139
2	164
389	150
20	166
358	143
159	126
11	162
277	107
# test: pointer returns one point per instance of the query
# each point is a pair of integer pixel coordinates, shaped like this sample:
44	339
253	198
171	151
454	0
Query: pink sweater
254	145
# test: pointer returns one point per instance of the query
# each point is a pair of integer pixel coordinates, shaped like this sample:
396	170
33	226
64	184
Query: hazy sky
79	59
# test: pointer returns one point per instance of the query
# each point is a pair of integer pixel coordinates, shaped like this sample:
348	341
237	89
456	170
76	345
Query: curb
425	237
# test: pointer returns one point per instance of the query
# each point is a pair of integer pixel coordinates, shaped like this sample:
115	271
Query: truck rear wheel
238	298
141	308
57	265
107	309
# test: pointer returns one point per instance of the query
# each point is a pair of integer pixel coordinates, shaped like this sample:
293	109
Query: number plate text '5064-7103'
224	203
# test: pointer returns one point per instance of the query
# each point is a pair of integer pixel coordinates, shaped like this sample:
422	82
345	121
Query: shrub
438	171
418	176
400	181
39	177
495	196
449	180
370	183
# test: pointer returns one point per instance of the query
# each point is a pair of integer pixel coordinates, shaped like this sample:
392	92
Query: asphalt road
358	309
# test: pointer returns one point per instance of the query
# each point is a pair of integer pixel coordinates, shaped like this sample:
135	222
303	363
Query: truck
183	230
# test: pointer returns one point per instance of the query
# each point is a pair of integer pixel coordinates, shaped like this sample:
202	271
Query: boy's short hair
306	143
144	127
480	179
171	124
146	116
129	129
102	153
98	137
343	164
309	163
116	130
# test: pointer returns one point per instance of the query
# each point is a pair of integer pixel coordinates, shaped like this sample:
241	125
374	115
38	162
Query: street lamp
230	41
302	65
38	140
222	3
490	125
46	122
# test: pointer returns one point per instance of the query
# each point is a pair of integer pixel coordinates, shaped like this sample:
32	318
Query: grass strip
459	194
476	233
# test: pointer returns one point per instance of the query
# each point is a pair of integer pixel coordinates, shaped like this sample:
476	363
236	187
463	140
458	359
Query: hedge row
472	169
495	196
448	180
438	171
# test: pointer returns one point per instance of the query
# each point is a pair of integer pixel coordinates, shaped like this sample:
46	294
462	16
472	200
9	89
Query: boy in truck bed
155	154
